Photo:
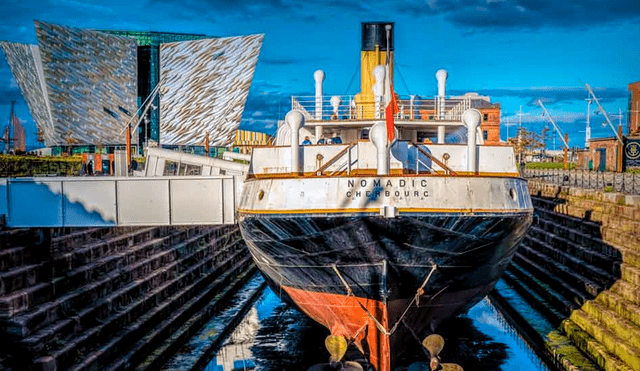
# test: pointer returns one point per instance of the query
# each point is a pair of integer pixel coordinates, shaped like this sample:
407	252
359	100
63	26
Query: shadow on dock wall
580	267
110	298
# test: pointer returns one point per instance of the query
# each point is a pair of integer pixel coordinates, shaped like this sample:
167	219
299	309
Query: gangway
174	189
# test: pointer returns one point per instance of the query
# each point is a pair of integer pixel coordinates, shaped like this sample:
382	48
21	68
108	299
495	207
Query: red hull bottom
357	319
366	322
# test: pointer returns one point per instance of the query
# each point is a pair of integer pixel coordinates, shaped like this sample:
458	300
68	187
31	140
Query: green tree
528	142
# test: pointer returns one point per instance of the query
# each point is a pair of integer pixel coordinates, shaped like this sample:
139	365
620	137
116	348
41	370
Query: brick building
633	113
490	125
604	154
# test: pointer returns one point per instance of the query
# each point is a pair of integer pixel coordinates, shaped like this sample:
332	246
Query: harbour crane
564	137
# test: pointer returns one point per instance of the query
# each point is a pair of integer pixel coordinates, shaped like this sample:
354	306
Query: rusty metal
206	143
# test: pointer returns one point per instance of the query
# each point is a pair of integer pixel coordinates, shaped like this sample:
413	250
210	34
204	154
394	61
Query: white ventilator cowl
295	120
471	119
378	136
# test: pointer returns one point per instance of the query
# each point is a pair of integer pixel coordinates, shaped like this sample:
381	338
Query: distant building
603	153
14	137
490	125
245	140
84	86
149	72
633	114
80	85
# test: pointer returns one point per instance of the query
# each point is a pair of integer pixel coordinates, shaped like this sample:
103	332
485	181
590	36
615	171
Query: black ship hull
381	282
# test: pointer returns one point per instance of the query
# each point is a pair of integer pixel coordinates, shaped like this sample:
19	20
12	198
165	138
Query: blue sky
514	51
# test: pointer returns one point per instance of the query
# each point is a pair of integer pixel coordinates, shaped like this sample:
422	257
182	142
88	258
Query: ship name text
388	188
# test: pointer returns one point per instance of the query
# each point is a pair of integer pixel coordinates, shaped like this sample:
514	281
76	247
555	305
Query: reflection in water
483	340
274	336
235	354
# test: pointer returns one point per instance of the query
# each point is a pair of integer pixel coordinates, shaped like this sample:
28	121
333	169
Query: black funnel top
374	33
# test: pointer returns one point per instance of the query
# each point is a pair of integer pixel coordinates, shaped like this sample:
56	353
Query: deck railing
609	181
347	107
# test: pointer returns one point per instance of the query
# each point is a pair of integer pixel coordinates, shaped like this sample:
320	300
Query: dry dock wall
112	298
580	266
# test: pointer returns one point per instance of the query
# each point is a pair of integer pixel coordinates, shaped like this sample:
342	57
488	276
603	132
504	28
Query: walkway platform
117	202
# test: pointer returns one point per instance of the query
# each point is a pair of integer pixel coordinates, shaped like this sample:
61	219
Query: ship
378	215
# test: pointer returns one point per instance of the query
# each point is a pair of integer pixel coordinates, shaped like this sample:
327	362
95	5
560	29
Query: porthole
512	193
260	195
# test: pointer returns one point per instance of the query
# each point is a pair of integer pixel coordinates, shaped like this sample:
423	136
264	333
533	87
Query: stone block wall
580	266
107	298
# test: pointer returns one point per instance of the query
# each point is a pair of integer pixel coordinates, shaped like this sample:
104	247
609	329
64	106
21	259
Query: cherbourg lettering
375	188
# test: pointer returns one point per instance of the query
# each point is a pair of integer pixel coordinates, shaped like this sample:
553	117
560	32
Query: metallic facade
149	72
91	84
24	61
204	87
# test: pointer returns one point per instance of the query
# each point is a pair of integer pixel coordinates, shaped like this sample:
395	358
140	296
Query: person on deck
322	141
336	139
306	141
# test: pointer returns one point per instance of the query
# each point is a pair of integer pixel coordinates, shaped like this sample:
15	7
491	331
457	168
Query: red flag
391	103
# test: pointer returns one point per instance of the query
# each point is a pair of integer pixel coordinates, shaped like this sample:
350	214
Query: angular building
84	86
80	85
204	87
149	43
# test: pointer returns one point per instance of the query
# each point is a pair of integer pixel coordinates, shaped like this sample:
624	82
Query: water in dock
270	335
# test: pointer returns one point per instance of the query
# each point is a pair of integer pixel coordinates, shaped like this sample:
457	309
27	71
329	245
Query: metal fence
615	182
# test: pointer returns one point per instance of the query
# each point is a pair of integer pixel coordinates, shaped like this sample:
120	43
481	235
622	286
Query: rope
397	65
379	326
416	298
349	291
352	78
415	336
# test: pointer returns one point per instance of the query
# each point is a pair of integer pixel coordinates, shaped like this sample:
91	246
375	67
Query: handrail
334	159
447	170
410	107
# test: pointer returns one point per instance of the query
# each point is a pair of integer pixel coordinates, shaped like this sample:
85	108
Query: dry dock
106	298
579	267
179	297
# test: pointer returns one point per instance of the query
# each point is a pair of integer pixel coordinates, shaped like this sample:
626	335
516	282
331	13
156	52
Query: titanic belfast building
83	86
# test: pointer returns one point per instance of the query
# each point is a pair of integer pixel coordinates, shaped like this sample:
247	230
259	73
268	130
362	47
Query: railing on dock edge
607	181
